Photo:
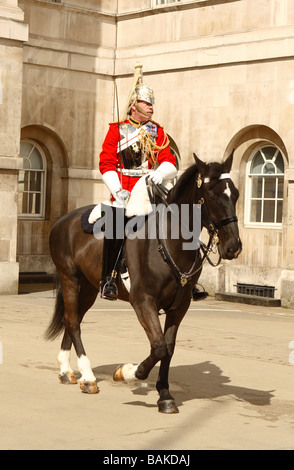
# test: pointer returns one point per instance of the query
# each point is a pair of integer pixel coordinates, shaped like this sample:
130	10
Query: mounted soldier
133	147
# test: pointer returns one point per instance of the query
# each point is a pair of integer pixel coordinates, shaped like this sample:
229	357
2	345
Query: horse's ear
200	164
228	162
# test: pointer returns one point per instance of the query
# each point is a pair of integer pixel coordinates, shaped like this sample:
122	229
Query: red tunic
110	159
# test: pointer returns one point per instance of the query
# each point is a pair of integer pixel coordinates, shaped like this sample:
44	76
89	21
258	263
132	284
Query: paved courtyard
232	377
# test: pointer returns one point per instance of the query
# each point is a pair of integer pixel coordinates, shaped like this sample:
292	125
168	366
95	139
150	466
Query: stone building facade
223	76
13	33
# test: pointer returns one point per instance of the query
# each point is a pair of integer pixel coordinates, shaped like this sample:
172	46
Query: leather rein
184	277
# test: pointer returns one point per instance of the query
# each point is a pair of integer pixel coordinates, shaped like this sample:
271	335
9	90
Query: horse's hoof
67	378
118	375
125	372
89	387
167	406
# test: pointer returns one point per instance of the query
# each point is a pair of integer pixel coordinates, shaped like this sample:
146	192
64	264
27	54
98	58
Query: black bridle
158	190
213	228
183	278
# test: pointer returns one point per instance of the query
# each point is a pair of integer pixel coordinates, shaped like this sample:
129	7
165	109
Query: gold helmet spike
142	92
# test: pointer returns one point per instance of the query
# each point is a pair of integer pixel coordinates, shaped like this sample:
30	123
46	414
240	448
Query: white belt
132	172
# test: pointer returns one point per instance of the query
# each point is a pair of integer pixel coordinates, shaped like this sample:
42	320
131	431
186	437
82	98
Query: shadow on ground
189	382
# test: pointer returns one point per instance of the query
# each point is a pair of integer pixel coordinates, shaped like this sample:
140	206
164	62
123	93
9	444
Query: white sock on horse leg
84	367
63	359
128	371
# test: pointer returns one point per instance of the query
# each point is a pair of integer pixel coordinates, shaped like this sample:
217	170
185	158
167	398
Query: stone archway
33	233
265	246
244	142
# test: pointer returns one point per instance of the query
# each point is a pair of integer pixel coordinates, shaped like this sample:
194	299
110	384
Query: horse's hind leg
66	374
78	296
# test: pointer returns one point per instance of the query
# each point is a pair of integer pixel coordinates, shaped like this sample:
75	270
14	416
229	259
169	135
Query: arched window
32	181
265	178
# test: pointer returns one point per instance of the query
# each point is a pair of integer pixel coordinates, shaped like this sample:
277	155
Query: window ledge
264	226
30	217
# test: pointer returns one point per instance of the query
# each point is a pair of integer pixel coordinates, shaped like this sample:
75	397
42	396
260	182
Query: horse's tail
56	325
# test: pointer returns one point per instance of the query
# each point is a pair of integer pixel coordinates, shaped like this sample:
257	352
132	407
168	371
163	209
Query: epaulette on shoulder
116	123
156	123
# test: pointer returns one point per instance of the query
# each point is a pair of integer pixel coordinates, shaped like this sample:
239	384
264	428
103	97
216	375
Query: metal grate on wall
253	289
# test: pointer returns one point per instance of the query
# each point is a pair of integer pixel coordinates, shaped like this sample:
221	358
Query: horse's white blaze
63	359
227	191
84	367
128	371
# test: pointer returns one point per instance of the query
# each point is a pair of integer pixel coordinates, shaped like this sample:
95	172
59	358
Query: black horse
162	275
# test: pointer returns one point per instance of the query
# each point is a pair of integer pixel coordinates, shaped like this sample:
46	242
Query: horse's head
218	196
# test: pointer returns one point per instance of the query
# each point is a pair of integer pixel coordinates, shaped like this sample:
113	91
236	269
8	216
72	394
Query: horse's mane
215	169
187	182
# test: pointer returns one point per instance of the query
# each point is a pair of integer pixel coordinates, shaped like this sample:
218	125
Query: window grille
265	186
253	289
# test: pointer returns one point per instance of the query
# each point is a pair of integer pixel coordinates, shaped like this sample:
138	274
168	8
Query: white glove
165	171
122	197
111	179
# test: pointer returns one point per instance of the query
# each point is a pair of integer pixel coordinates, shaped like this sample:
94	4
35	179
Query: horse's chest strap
182	278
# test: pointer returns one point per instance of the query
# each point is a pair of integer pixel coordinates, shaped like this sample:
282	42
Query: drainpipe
114	62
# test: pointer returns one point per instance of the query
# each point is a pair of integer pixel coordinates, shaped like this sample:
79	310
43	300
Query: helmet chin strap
149	115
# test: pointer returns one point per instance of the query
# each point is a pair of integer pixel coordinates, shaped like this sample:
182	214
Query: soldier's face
146	107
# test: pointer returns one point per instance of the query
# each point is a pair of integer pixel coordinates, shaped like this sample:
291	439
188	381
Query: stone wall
13	32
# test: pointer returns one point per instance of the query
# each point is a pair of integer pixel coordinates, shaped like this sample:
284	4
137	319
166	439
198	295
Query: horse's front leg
147	314
166	402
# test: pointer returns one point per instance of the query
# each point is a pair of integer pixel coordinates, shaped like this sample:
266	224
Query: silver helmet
143	93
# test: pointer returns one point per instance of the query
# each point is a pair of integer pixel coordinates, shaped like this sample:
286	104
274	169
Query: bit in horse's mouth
236	254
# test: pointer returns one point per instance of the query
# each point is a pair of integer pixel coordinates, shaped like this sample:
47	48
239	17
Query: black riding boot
112	249
198	295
